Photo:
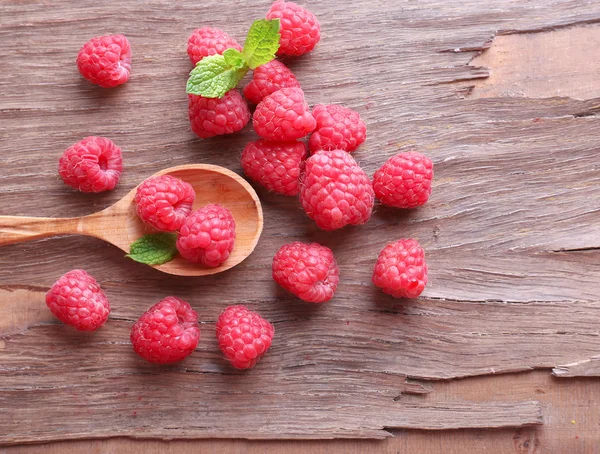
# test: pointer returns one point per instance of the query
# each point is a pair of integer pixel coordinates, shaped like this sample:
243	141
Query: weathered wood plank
511	230
570	426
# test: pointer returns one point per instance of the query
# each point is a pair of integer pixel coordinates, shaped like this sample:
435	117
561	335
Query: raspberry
105	60
267	79
207	41
216	116
309	271
404	181
275	165
93	164
77	300
299	28
164	202
167	332
336	191
244	336
207	236
401	270
338	128
283	115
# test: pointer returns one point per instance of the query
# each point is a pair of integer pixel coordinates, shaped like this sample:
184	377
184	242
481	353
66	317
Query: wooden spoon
120	225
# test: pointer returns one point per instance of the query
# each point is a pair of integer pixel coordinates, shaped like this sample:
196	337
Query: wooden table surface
501	95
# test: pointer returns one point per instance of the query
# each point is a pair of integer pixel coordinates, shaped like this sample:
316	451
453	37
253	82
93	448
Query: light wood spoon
120	225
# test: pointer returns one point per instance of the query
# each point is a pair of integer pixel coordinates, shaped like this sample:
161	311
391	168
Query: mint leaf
213	76
234	58
154	249
261	43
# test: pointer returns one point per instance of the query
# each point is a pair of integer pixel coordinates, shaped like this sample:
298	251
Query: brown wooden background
511	234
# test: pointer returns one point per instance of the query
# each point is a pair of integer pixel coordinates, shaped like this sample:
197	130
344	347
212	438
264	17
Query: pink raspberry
275	165
309	271
207	236
105	60
207	41
164	202
167	332
244	336
77	300
401	270
338	128
299	28
283	115
404	181
267	79
93	164
336	192
217	116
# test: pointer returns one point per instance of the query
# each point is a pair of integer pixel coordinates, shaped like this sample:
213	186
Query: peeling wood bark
545	63
585	368
516	180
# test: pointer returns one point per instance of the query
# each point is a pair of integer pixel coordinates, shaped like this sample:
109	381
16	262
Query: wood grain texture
511	230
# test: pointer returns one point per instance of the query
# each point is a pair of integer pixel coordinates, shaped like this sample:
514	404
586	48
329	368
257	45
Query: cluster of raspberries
333	190
205	236
168	331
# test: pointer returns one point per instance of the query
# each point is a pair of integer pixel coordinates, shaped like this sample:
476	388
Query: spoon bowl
120	225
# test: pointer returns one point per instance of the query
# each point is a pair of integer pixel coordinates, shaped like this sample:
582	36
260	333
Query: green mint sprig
215	75
154	248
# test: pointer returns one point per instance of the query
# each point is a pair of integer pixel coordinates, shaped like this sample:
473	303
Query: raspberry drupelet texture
207	236
335	191
93	164
283	115
164	202
105	60
338	128
207	41
401	270
211	117
267	79
404	181
309	271
299	28
275	165
77	300
243	336
167	332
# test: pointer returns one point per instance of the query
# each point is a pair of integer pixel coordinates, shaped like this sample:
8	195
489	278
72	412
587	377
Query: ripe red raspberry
105	60
167	332
275	165
93	164
77	300
336	191
401	270
404	181
267	79
216	116
283	115
164	202
338	128
244	336
207	236
207	41
309	271
299	28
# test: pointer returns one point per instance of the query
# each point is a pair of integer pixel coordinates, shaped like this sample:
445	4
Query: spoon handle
15	229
